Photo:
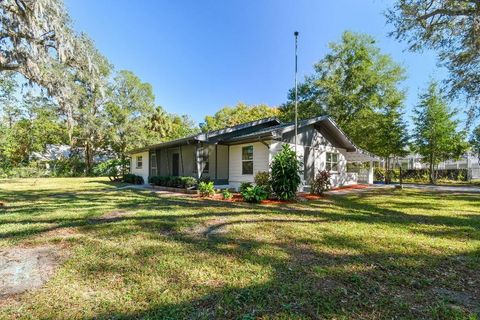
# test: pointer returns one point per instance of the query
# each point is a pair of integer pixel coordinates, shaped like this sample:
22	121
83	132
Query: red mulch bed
237	197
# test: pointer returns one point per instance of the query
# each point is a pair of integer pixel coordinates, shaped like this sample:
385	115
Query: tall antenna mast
296	92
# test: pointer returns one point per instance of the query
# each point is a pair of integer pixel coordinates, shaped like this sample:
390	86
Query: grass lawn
383	254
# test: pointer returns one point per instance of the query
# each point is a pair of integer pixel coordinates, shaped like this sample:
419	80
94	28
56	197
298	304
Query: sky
201	56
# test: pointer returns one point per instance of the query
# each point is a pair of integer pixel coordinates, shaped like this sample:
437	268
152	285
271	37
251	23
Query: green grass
384	254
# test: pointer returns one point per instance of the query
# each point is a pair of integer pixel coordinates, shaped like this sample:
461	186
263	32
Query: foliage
73	166
132	178
244	186
226	194
452	29
206	189
35	34
285	173
321	183
358	86
435	135
262	179
475	142
241	113
173	181
422	175
111	168
254	194
132	103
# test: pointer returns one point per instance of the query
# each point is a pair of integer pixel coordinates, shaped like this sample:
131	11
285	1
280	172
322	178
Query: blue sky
203	55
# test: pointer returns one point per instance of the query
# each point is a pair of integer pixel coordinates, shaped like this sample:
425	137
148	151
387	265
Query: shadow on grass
304	282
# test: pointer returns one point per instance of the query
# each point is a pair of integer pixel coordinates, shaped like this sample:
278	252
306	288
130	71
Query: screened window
332	162
153	164
247	160
139	162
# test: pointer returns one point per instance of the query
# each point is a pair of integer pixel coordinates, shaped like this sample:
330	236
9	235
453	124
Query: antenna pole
296	91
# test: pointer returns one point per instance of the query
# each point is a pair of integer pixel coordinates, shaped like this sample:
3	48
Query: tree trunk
88	157
432	170
388	177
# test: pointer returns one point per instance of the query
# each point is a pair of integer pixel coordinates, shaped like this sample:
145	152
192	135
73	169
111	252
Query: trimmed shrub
206	189
262	179
321	183
244	186
188	182
254	194
226	194
132	178
285	178
174	182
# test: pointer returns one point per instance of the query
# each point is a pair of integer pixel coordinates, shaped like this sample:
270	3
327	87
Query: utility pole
296	92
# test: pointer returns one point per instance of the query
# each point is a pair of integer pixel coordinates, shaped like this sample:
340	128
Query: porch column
197	161
370	173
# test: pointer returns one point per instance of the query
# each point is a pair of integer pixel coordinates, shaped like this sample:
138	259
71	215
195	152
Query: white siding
143	171
260	163
339	178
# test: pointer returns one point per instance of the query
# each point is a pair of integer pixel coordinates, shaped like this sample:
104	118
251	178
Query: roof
205	136
272	128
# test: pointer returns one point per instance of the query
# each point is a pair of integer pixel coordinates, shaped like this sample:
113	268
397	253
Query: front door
175	163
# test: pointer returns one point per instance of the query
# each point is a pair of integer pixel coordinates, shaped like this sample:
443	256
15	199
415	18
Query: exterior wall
222	164
314	148
143	171
261	156
218	164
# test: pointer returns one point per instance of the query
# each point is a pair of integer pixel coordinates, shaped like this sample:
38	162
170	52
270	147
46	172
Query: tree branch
447	12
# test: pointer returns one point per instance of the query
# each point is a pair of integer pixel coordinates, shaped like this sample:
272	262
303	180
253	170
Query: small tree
475	142
285	177
435	136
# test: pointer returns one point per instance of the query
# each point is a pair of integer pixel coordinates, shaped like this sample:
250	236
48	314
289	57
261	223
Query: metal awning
360	155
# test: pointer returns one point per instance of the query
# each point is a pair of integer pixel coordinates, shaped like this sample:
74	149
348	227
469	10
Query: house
234	155
469	161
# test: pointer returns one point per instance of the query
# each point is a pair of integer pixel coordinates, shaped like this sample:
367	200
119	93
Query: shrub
321	183
132	178
244	186
262	179
188	182
206	189
111	168
174	182
254	194
226	194
285	178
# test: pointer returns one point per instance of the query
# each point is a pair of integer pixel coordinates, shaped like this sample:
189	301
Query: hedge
132	178
174	182
423	174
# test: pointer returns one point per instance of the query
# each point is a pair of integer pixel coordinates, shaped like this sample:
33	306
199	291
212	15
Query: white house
234	155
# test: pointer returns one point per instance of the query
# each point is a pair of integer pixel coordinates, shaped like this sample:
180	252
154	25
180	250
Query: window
153	164
332	162
247	160
139	162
